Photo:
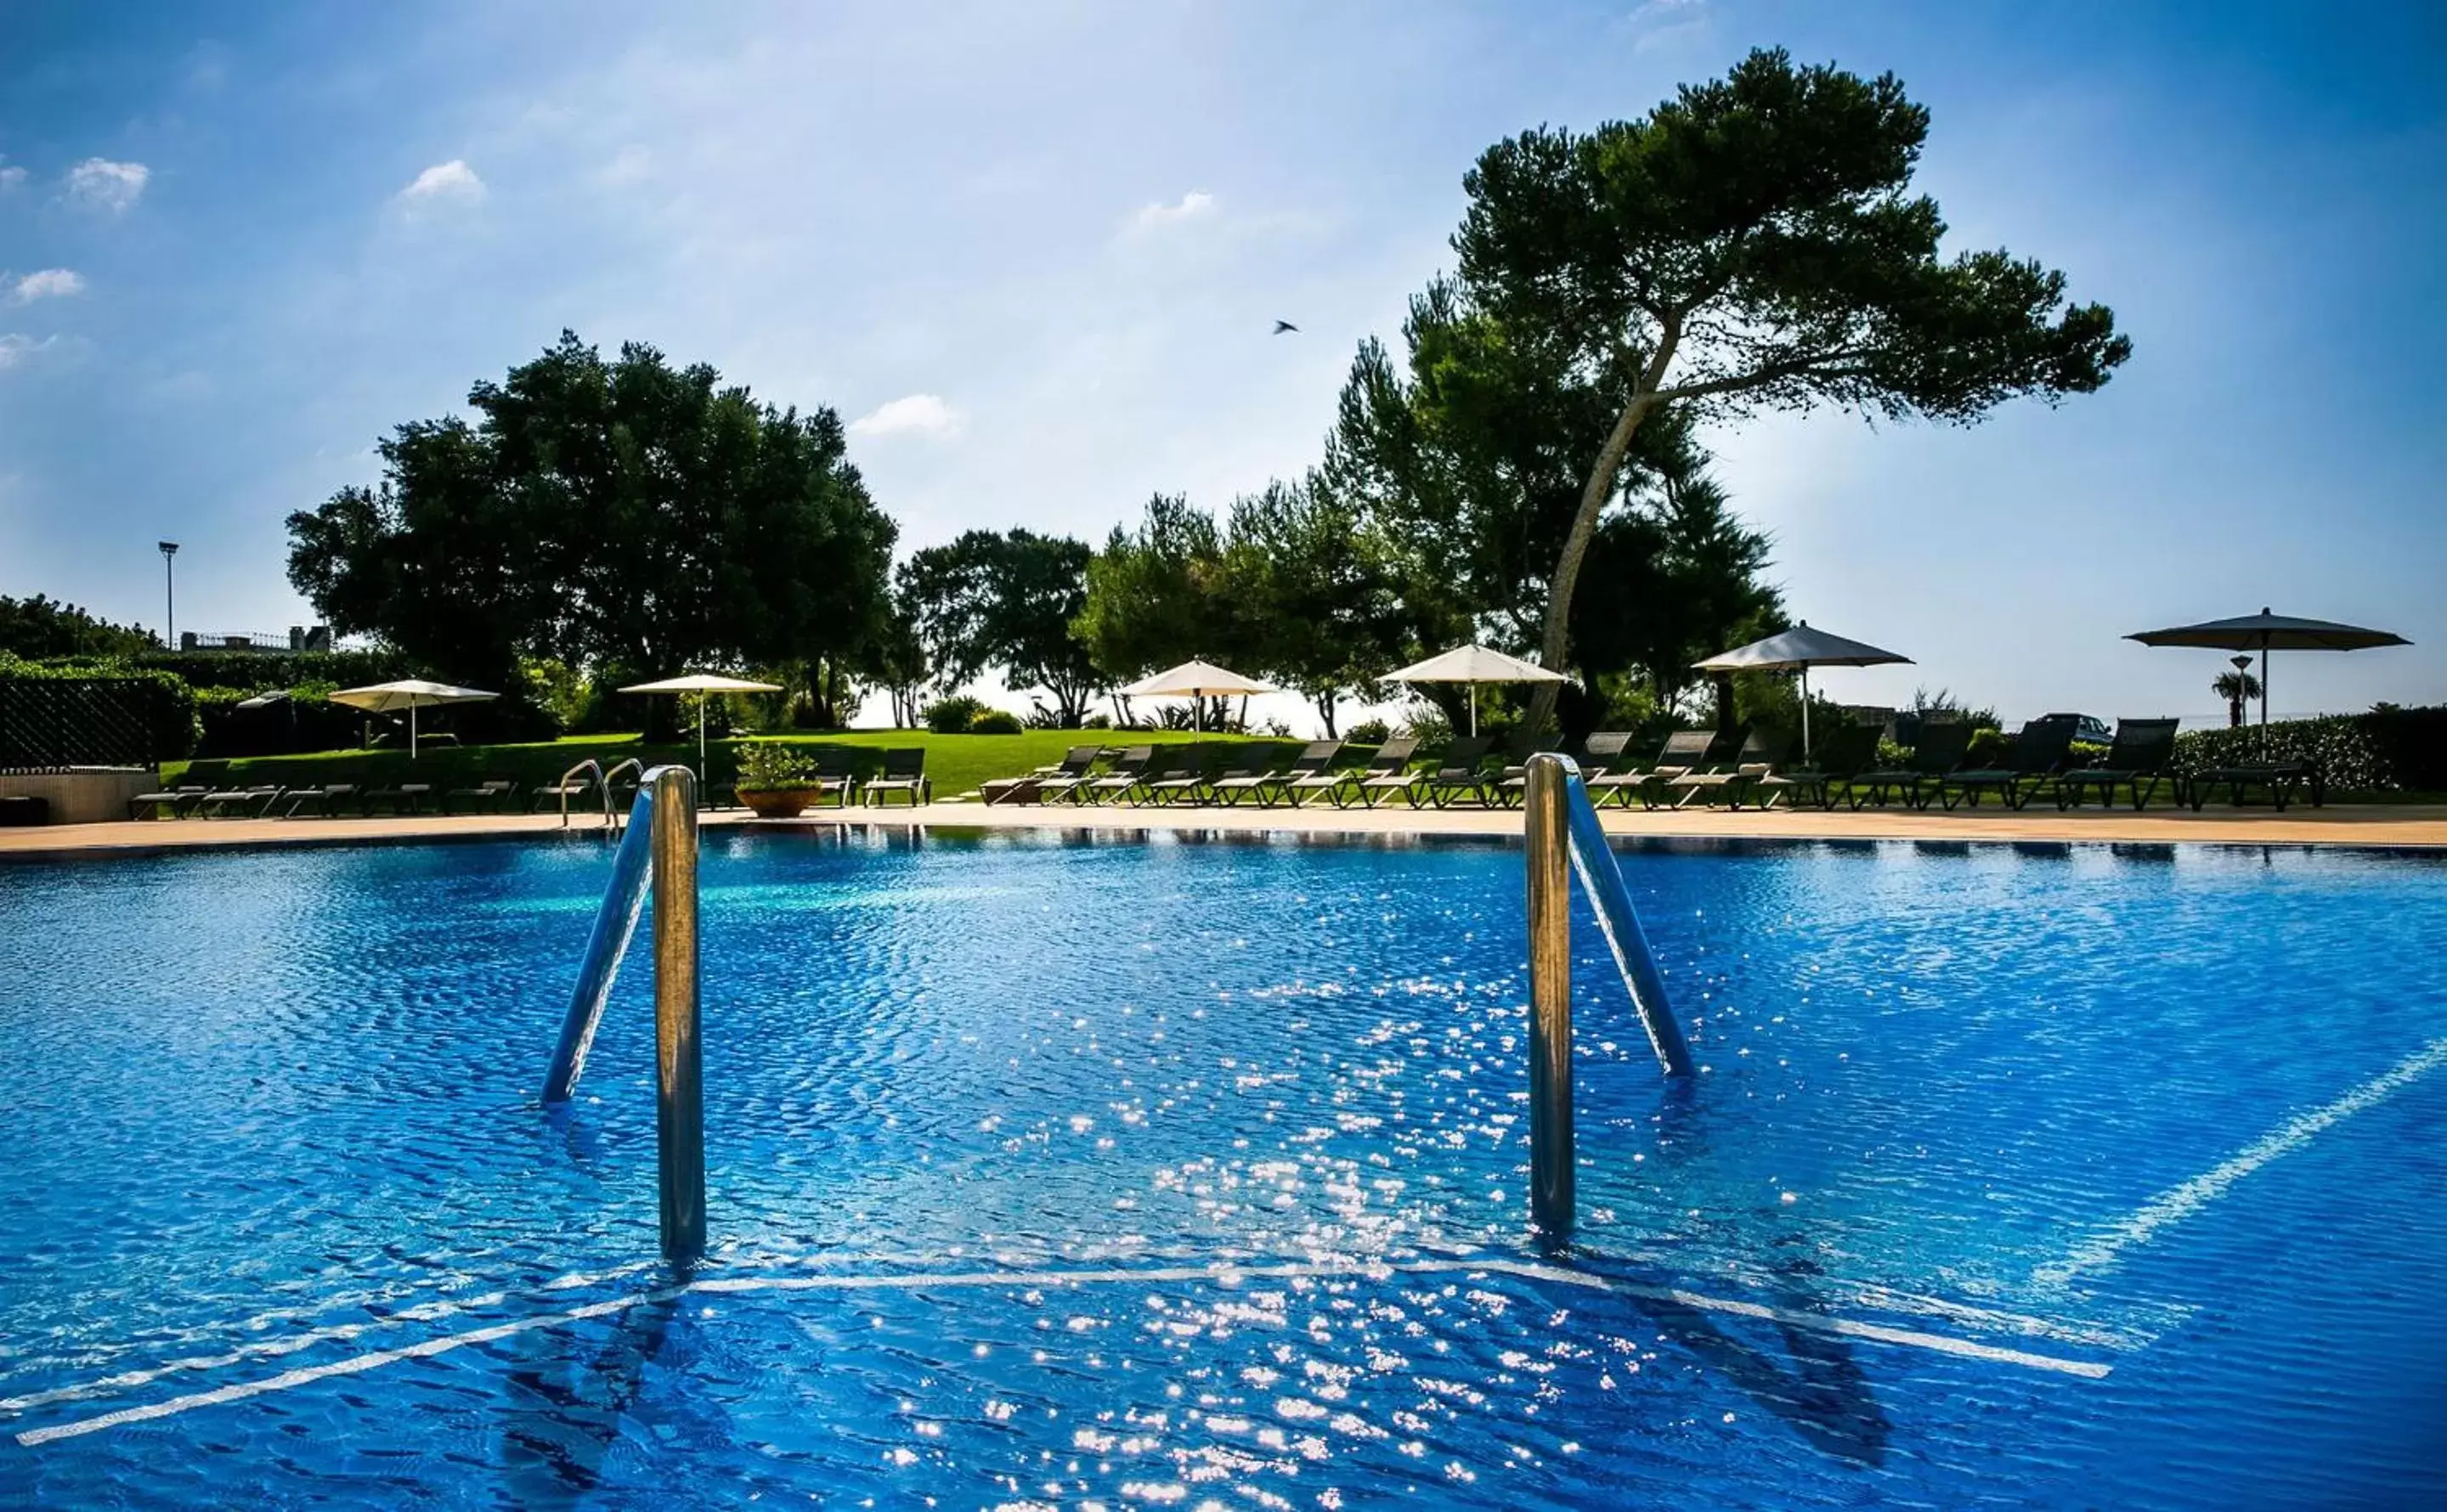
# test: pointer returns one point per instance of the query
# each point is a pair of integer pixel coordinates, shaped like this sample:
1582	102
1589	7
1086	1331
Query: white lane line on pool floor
433	1311
1223	1274
2180	1202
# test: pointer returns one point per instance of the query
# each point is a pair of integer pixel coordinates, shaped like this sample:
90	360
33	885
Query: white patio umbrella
1199	680
411	694
2265	633
1474	664
1797	651
702	683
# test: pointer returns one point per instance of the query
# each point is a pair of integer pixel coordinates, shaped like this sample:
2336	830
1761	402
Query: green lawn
956	762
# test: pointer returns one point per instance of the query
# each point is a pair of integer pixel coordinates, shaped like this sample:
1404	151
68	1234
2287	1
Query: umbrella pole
2264	699
1805	715
700	736
1473	711
411	727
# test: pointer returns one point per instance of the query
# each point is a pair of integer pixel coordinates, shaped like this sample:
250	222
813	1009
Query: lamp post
2242	665
169	596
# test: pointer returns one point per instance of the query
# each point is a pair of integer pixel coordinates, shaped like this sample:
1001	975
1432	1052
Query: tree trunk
1556	646
1326	710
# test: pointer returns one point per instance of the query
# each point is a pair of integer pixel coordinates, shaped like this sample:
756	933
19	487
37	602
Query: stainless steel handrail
587	766
1562	836
626	764
659	849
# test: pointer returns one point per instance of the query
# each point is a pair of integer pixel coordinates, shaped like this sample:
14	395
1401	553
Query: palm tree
2237	688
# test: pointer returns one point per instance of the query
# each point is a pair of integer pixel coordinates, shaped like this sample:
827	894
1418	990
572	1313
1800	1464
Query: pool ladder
658	849
1563	835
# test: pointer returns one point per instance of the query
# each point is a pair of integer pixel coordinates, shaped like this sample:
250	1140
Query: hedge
78	716
2387	751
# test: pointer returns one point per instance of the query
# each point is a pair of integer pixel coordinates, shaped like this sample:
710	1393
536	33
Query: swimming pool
1161	1172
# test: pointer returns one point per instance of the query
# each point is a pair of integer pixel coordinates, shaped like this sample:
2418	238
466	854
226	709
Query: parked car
2089	728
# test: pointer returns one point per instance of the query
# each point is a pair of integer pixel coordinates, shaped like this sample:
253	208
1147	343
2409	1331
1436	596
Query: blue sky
1034	252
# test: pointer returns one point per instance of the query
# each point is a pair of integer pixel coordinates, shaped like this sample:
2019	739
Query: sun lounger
1459	774
1846	749
1942	745
180	800
1312	775
1246	776
1511	786
1121	779
2282	781
2038	753
2136	761
1042	784
254	802
1388	771
1180	778
836	775
323	799
1754	764
1597	755
407	797
492	795
551	795
1686	751
904	772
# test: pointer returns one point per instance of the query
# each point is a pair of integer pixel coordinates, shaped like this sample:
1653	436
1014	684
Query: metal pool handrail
587	766
1562	836
628	764
659	848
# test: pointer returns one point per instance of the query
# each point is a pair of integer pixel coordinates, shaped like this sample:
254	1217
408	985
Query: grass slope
956	762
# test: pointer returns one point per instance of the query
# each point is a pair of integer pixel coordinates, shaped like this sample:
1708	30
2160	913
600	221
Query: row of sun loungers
272	801
1692	767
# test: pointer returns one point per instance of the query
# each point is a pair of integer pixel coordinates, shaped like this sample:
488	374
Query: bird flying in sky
1281	326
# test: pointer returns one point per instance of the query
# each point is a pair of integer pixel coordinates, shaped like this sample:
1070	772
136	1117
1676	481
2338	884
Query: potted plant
776	779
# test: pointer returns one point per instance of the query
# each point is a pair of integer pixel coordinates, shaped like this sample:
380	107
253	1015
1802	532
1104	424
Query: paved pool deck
2373	825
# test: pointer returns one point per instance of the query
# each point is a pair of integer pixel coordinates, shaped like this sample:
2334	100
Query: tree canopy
626	516
1293	585
1751	242
1004	600
39	627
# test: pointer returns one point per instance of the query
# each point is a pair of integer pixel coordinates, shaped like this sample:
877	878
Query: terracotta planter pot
779	803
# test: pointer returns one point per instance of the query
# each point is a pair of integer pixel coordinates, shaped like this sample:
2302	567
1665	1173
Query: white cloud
1195	205
10	178
15	349
452	182
51	283
910	415
104	185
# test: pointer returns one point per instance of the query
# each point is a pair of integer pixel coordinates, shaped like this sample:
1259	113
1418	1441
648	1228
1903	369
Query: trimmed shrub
995	722
1369	733
2340	745
92	716
953	715
1989	748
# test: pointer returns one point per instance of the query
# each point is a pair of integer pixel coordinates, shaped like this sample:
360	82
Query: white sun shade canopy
1195	679
702	683
1474	663
389	698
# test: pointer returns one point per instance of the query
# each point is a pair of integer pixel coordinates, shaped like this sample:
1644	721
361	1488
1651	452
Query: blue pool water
2019	1177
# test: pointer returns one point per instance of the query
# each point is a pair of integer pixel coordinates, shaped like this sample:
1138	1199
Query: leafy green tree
39	627
627	517
1675	575
1751	243
1315	593
1155	593
1005	600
